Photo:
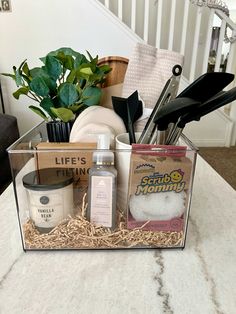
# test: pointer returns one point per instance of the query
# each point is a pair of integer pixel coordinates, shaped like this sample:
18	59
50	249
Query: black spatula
171	112
169	115
130	110
219	100
207	85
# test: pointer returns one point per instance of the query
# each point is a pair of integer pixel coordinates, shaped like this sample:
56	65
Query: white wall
34	28
233	15
231	4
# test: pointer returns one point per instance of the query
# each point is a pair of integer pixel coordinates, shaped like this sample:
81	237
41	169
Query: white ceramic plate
97	115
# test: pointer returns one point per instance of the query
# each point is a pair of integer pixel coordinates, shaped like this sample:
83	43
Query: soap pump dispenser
102	185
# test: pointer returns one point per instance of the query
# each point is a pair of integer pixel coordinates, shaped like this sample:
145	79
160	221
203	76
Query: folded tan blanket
148	70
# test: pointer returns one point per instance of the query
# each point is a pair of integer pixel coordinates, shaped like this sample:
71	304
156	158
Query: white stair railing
226	23
185	27
182	26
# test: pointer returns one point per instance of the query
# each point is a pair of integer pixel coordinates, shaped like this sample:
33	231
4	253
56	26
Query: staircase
187	28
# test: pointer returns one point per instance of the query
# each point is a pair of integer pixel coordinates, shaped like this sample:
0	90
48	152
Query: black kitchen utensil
170	113
219	100
169	92
130	110
207	85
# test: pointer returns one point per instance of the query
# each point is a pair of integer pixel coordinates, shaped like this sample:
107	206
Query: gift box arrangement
109	168
65	202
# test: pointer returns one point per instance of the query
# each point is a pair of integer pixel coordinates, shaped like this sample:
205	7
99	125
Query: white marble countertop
199	279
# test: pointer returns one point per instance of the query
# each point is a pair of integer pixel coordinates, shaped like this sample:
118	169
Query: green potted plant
65	84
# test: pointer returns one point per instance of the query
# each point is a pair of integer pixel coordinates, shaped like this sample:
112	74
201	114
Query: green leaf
21	91
65	50
57	103
86	70
41	72
36	72
18	74
92	60
26	78
105	68
90	57
80	59
47	104
25	69
63	114
70	52
71	76
39	112
19	79
79	89
53	67
95	78
68	94
91	96
67	61
22	64
9	75
39	87
76	107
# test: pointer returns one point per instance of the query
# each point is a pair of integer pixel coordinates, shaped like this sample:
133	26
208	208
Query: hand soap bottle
102	185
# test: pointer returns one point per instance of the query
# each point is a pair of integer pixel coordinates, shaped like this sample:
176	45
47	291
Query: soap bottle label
101	200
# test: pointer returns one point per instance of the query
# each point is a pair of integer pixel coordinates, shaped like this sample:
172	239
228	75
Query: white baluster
232	51
220	45
146	20
172	25
120	9
195	44
208	41
107	3
159	17
133	15
184	27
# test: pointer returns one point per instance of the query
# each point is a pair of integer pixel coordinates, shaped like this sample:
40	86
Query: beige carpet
223	160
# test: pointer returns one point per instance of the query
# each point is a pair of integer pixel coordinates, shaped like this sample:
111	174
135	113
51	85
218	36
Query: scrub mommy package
159	188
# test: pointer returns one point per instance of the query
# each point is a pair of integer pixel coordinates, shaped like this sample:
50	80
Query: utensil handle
150	126
169	92
171	128
132	139
175	136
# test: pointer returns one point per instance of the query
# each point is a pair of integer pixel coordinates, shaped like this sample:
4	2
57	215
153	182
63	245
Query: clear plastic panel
153	195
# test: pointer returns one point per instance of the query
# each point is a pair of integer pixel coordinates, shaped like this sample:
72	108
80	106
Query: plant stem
38	99
33	98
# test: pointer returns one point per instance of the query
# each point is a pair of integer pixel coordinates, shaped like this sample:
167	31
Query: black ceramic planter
59	131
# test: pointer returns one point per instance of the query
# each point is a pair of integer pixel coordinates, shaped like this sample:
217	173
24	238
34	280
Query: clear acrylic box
154	189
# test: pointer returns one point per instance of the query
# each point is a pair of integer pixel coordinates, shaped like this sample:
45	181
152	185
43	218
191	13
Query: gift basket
71	196
121	174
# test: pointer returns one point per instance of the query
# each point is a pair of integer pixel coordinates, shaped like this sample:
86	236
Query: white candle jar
50	196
